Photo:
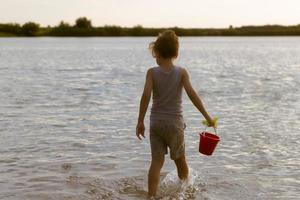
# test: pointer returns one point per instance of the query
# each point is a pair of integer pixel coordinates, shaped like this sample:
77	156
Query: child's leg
154	174
182	168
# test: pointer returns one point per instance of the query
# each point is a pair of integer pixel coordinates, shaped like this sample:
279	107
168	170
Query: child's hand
140	130
211	122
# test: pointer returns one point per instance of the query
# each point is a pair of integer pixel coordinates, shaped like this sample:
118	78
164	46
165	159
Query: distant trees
83	22
83	27
63	24
112	30
30	29
137	30
62	29
14	29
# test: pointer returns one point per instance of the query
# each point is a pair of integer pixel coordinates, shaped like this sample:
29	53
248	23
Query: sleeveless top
167	94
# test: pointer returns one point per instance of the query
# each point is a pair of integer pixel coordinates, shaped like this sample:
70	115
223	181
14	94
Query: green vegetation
83	27
6	35
30	29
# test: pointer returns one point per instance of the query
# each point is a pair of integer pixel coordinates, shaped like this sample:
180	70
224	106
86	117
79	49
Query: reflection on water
69	106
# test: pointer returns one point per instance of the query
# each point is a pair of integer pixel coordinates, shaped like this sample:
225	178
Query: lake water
68	110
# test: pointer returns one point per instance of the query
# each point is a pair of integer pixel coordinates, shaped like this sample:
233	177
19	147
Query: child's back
166	121
167	94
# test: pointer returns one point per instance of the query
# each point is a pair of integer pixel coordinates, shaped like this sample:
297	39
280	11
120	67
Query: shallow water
68	110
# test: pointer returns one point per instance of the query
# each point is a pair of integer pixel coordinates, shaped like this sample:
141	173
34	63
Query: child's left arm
140	127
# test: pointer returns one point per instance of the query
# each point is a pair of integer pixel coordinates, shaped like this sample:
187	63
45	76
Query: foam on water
106	189
135	188
172	186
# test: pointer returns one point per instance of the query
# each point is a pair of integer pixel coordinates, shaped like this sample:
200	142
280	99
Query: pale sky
153	13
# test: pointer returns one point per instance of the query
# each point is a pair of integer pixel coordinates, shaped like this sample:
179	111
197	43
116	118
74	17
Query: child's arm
140	128
194	96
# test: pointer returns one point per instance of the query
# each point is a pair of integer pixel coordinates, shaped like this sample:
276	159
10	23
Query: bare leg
154	175
182	168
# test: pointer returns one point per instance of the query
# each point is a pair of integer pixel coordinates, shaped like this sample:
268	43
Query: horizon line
156	27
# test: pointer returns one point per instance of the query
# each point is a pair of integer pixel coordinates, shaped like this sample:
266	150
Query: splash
134	188
174	188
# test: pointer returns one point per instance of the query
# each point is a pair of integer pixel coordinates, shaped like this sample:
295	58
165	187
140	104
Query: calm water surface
68	110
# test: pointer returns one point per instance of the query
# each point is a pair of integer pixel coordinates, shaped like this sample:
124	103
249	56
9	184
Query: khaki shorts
167	133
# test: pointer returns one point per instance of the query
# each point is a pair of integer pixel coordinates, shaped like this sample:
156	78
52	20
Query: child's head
166	45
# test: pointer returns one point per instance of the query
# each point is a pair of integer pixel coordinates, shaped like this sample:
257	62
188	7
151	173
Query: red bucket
208	143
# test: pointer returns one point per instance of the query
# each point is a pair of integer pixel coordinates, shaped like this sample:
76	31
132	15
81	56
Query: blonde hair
166	45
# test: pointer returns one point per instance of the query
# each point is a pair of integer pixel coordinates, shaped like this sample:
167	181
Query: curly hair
166	45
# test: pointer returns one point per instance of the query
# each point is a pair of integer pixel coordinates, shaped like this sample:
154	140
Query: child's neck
167	64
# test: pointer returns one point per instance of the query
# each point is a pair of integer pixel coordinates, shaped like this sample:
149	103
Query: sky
153	13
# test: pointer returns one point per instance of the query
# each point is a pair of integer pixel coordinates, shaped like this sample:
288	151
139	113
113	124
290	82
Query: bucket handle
214	129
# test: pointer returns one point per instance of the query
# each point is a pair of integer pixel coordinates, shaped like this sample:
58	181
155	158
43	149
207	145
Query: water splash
174	188
134	188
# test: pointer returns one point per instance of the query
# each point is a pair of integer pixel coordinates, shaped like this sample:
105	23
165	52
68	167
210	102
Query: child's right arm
194	97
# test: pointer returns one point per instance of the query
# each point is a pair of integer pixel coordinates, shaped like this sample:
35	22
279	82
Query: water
68	111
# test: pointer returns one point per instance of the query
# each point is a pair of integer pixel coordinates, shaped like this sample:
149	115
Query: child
166	120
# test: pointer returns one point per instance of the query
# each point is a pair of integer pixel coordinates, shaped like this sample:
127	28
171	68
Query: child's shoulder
182	69
151	70
157	67
154	69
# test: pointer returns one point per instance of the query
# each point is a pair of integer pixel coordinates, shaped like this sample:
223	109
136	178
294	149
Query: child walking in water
167	126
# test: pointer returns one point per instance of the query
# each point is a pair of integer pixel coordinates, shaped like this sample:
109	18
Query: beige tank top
167	94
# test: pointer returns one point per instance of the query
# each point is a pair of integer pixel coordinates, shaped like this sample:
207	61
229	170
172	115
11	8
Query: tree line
83	27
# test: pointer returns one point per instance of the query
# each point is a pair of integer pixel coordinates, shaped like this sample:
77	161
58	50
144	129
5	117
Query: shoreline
84	28
111	36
